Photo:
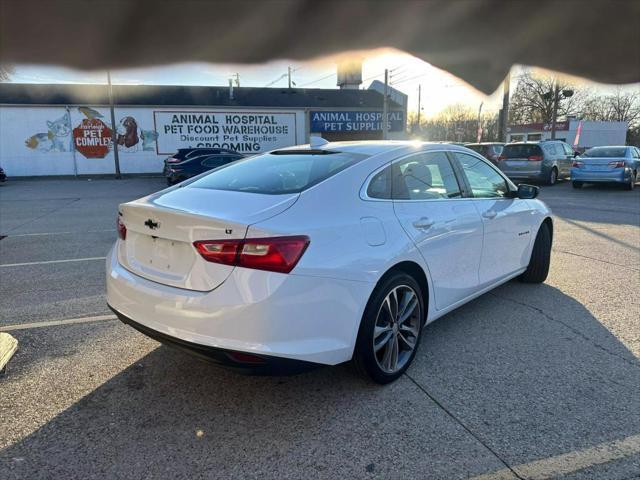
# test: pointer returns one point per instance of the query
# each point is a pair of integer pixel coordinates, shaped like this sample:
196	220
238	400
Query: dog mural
128	132
129	135
56	139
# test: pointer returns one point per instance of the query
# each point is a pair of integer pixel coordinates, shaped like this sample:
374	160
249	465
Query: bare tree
619	106
532	100
5	72
457	122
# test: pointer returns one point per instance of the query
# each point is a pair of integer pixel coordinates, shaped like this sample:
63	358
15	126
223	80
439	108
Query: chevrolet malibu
324	253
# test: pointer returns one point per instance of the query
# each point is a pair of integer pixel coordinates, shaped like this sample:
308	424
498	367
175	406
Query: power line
284	75
319	79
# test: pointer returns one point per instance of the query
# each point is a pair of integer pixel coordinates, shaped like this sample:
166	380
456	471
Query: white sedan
324	253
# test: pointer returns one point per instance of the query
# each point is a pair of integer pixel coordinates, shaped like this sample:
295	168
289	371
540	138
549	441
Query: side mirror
527	192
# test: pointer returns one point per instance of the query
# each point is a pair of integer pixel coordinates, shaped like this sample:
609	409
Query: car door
567	159
635	158
444	226
507	222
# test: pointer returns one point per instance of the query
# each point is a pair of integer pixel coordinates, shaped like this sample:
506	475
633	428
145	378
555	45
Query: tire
553	177
576	184
632	182
375	350
538	268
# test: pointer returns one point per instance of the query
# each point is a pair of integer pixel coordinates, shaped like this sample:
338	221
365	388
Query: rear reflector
275	254
535	158
122	230
245	357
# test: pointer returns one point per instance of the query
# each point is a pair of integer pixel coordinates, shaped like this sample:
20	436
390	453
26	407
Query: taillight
122	230
617	164
577	164
535	158
275	254
502	157
173	160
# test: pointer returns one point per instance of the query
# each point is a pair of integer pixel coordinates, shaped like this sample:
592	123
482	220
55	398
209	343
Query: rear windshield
521	151
278	172
605	152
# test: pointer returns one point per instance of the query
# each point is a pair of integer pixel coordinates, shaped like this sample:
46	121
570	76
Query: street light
557	96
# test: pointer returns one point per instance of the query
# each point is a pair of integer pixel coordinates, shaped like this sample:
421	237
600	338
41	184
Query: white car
323	253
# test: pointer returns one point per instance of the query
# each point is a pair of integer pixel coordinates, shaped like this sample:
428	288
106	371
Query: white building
67	129
582	134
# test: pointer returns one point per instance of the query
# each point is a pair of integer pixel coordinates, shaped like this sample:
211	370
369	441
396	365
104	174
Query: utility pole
385	106
419	103
114	132
505	107
479	136
556	100
289	75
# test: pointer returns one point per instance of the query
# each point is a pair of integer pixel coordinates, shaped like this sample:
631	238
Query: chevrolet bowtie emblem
151	224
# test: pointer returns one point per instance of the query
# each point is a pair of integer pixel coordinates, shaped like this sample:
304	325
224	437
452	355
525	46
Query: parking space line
53	323
45	262
567	463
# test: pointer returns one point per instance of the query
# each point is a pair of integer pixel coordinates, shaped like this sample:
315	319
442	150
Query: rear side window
521	151
278	172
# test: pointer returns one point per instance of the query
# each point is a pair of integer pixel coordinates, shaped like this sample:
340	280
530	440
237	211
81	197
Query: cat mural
56	139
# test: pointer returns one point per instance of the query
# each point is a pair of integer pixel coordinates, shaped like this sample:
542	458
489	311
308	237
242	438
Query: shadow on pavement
527	368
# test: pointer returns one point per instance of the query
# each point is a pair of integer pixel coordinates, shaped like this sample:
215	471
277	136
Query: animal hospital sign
354	121
245	131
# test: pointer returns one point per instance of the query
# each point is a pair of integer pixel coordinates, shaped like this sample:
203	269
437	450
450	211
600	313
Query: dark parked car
176	169
489	150
3	176
184	153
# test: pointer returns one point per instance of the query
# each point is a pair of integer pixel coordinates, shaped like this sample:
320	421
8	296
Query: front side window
567	149
484	181
285	171
425	176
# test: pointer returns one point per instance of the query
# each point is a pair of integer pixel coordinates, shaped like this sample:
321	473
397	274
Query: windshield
605	152
278	172
521	151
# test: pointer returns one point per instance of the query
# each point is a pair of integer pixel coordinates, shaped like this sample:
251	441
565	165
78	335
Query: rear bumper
296	317
541	173
239	361
618	175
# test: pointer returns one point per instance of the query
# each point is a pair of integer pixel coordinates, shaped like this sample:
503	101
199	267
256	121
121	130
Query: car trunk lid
161	230
600	163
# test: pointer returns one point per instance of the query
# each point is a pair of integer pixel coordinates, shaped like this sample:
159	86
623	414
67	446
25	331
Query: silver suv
545	161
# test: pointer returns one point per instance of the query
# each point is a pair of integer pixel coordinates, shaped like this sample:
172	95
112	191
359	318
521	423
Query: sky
439	88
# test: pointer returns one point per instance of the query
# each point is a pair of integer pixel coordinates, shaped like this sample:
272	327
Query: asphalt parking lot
528	381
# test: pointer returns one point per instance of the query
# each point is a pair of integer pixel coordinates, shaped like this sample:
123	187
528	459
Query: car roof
374	147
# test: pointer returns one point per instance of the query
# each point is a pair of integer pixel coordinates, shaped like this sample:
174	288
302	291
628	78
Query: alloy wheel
397	328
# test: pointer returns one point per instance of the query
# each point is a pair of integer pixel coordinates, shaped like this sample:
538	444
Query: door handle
423	223
490	214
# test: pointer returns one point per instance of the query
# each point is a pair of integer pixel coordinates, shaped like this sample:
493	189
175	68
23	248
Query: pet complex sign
245	132
92	138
